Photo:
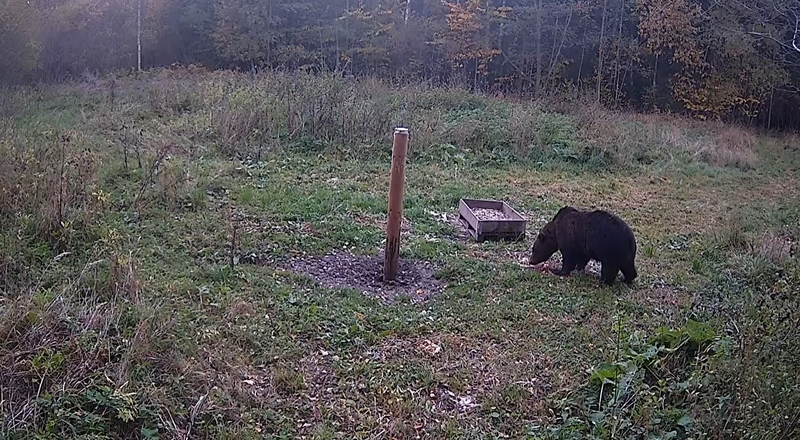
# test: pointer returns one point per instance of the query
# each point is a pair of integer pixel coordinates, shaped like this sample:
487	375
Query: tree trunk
538	87
583	55
602	45
618	67
139	37
655	73
560	46
475	76
554	48
272	30
769	116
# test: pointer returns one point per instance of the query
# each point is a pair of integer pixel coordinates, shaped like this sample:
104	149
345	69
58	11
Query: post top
401	130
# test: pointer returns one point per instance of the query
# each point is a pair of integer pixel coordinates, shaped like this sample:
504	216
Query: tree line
733	59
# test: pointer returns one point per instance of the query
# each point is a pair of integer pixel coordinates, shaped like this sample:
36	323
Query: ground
364	273
121	316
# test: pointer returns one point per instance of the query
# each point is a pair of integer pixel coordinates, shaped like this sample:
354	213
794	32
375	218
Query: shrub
51	184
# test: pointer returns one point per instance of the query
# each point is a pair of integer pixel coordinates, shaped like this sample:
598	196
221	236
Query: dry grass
239	309
522	126
792	140
245	125
722	145
470	374
254	118
734	147
773	247
246	117
663	299
614	131
648	137
123	281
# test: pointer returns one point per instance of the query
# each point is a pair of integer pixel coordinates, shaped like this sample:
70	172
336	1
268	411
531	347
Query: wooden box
491	220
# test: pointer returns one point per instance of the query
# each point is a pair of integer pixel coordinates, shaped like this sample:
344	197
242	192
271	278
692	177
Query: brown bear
588	235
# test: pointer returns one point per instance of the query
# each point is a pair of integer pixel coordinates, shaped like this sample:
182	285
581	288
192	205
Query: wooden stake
393	223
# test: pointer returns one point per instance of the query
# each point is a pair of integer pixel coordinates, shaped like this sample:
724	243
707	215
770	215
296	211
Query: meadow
150	224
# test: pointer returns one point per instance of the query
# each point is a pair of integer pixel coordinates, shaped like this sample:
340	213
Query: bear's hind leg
608	273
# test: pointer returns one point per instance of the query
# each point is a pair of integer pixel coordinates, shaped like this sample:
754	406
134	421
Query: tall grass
754	391
249	116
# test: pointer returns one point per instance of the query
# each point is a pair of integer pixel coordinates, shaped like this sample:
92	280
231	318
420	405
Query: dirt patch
364	273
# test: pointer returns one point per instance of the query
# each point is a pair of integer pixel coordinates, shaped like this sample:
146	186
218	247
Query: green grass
142	328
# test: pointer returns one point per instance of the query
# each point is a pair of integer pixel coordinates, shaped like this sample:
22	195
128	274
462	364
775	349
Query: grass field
120	315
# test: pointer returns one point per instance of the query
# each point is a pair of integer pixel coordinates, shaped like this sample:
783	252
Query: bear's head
545	245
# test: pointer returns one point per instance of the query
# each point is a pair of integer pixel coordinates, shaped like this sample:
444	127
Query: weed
774	247
646	392
287	380
122	278
751	386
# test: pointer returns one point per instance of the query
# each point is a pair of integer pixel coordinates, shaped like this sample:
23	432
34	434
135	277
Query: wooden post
393	223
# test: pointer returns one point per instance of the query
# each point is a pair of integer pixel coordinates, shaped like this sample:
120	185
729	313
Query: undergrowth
250	116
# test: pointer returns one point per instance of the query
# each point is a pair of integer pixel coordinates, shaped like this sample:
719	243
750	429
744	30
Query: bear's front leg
582	262
568	263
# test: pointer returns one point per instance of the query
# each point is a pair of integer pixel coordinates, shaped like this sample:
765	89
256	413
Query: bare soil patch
364	273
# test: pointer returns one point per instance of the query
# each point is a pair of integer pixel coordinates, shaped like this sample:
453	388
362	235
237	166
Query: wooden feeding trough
491	220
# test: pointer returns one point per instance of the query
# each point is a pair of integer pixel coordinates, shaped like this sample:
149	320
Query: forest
733	60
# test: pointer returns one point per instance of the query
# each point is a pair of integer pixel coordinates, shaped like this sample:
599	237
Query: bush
49	184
